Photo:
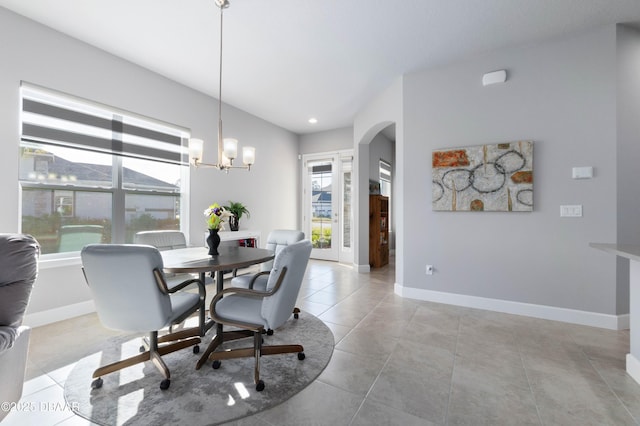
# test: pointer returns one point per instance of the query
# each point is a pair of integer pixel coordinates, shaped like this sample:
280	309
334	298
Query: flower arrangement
216	216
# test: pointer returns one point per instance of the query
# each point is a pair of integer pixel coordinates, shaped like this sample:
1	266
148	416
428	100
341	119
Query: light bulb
248	155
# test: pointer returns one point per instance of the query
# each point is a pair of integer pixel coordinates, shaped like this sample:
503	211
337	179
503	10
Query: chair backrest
124	288
162	240
279	239
276	309
18	272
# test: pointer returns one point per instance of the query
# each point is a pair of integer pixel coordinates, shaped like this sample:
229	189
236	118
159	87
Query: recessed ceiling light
313	120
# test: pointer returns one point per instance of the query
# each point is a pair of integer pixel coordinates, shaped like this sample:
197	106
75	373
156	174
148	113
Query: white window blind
66	121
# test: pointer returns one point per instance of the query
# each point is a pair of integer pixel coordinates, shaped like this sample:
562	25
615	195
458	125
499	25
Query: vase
213	241
234	222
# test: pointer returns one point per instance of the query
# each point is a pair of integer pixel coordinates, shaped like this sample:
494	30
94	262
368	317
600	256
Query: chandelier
227	147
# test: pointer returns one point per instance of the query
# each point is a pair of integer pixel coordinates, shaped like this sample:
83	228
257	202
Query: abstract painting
496	177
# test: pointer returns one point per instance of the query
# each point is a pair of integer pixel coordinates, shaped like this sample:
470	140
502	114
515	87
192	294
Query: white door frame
338	251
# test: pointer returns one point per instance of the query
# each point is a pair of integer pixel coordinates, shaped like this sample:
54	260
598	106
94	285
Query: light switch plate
571	211
582	172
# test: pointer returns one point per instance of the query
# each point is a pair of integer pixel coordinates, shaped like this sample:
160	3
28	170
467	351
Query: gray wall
37	54
380	148
326	141
628	108
384	110
560	94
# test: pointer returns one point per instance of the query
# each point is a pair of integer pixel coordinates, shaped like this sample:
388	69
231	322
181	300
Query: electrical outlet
429	270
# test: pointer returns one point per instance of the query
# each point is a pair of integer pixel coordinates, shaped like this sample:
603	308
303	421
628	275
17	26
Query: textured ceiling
288	60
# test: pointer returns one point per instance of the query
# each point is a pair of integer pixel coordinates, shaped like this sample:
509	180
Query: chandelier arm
197	163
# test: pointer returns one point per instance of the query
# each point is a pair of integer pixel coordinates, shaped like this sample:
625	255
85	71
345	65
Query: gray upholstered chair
18	272
131	294
162	240
167	240
276	241
256	311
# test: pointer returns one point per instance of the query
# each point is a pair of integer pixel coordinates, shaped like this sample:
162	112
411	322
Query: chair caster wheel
164	385
97	383
301	356
269	332
296	316
196	349
260	386
216	364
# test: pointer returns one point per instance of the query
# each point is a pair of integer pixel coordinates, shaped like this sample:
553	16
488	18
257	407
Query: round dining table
197	260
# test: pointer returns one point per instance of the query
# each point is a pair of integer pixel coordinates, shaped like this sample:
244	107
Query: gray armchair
256	311
18	272
276	241
131	294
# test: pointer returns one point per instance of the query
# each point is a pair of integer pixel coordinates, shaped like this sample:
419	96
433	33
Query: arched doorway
376	158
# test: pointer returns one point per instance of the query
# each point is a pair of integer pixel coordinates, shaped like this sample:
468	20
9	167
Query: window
385	183
347	163
385	178
90	173
321	174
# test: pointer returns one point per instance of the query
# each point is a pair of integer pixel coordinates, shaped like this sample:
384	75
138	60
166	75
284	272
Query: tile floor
401	362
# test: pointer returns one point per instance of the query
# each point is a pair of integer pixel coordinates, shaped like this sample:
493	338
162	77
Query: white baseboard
362	268
612	322
633	367
38	319
573	316
624	322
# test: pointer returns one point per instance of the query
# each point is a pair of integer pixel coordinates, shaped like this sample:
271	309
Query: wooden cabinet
378	230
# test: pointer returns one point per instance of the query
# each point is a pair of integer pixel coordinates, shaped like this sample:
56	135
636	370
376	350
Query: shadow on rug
132	396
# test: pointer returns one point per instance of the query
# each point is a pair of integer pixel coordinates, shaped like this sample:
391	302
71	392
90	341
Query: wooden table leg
212	347
217	340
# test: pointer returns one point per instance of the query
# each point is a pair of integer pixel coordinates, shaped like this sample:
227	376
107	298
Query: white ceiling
288	60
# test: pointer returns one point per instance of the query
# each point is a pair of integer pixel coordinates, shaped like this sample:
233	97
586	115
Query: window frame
116	187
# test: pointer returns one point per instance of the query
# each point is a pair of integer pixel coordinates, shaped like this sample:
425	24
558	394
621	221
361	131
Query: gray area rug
198	397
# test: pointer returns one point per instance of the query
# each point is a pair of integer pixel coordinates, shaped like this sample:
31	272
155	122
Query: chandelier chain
227	154
222	4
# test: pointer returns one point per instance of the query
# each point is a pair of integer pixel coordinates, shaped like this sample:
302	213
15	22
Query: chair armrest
185	284
235	290
245	292
256	276
163	284
242	291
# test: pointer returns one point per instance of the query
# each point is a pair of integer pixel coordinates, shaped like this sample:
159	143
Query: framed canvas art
496	177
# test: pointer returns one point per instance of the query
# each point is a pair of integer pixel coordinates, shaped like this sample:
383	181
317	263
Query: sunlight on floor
242	390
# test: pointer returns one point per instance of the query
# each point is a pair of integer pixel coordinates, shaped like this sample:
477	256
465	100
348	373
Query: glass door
346	237
326	213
